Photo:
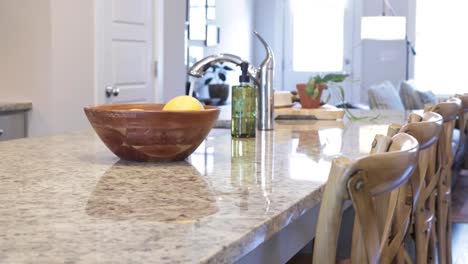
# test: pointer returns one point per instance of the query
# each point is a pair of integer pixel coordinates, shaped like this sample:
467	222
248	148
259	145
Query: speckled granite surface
15	106
67	199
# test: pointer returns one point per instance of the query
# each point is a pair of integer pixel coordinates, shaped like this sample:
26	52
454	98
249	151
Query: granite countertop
14	106
68	199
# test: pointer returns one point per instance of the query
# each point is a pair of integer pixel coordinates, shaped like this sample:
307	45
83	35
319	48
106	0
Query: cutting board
325	112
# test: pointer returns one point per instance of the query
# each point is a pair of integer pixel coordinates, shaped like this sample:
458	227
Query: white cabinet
12	125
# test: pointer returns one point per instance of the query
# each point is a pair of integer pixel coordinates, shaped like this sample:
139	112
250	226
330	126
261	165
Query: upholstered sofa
404	97
407	97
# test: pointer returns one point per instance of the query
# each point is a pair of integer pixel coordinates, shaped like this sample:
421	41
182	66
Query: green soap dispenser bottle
244	106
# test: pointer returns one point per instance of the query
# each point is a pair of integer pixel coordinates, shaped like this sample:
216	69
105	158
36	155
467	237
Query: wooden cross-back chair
449	110
463	125
426	129
361	180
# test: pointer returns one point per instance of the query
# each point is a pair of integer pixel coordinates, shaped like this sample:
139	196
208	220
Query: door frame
354	49
158	26
100	47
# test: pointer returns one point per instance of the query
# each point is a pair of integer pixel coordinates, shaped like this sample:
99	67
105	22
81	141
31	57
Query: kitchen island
13	119
68	199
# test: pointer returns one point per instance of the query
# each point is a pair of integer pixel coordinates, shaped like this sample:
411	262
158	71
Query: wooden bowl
143	132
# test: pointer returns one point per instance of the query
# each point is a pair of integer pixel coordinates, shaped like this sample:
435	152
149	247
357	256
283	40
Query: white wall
386	60
26	54
269	19
236	20
373	61
47	57
172	67
72	62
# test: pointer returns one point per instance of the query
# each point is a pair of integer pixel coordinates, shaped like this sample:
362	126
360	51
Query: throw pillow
427	97
384	96
410	96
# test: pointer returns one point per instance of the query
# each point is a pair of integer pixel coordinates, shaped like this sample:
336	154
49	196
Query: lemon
183	103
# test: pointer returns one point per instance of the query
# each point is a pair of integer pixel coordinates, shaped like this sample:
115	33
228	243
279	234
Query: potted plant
311	92
216	81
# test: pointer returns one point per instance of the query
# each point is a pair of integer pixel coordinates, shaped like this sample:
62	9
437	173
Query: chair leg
431	254
449	230
432	247
442	225
421	236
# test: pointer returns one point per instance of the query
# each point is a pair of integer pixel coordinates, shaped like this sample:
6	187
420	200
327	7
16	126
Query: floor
459	230
460	243
459	247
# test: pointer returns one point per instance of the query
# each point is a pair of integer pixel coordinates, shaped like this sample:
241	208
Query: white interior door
124	51
318	39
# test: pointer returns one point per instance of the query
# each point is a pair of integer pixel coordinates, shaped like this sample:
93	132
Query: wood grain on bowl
151	134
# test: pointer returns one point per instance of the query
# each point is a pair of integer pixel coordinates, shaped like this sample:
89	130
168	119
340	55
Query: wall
269	19
236	21
172	67
26	54
386	60
48	57
72	62
373	61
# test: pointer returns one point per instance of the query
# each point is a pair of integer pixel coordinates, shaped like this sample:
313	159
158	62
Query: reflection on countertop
67	198
147	193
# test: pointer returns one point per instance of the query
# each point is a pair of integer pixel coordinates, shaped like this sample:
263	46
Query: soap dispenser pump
244	106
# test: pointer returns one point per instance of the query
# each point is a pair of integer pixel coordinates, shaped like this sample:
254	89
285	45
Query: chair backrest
464	101
463	124
449	110
360	181
426	129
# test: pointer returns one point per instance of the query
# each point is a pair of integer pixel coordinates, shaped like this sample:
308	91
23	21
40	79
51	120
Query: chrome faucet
262	76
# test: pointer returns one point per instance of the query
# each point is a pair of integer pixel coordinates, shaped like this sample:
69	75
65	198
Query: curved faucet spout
262	76
265	101
199	68
269	58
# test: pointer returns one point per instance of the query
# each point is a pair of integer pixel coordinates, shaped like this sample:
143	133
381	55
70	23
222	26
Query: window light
383	27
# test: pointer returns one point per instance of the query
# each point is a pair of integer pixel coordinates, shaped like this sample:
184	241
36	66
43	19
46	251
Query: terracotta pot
306	99
220	91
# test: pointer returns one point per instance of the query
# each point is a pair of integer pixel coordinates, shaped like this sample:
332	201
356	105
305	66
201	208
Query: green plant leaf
207	81
222	76
310	87
315	93
318	79
328	98
334	77
352	117
342	93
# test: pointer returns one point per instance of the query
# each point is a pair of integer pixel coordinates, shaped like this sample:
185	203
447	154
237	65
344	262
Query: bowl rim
99	108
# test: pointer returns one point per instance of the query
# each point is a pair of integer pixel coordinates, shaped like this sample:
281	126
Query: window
441	45
317	35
